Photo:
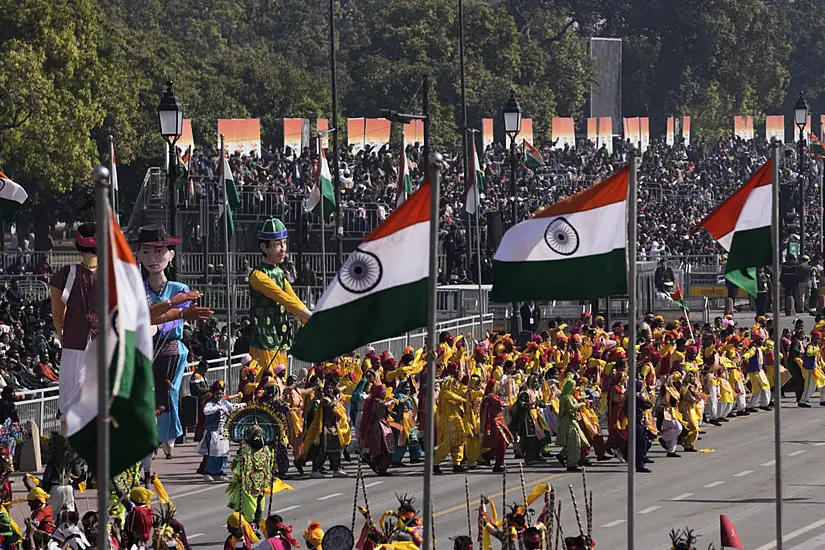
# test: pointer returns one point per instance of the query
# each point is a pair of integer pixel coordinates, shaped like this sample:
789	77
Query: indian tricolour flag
12	196
742	226
322	189
379	292
133	432
532	157
572	250
474	184
404	185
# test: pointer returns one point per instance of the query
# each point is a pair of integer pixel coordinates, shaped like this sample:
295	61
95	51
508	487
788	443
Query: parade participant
41	518
617	408
154	253
528	423
270	298
760	387
74	311
449	425
69	534
472	421
214	445
571	438
496	435
375	432
670	420
642	405
253	471
326	432
811	372
406	432
279	535
689	401
314	535
138	526
360	395
241	535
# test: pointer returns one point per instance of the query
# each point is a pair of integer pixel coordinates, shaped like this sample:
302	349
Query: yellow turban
38	494
234	520
314	535
139	495
237	521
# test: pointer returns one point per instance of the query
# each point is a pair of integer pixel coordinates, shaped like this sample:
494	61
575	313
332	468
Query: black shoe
562	460
299	466
803	405
436	469
573	469
649	461
643	470
498	469
722	420
743	413
460	469
690	451
673	455
715	422
662	443
752	410
766	408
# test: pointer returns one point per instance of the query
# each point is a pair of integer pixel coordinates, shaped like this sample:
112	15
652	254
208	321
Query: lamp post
170	120
800	115
512	127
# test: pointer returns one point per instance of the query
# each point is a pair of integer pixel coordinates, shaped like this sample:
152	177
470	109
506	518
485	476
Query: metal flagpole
777	387
100	177
631	353
227	254
434	165
465	150
323	246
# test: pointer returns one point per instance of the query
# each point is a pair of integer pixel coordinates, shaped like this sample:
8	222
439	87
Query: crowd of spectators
679	185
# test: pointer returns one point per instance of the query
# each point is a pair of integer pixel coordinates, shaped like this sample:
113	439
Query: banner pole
227	255
100	178
777	387
631	352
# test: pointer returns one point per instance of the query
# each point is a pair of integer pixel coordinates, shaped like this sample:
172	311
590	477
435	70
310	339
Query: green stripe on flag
744	279
750	248
582	278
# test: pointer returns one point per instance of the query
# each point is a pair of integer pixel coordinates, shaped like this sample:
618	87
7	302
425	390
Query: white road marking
769	463
794	534
196	535
198	491
287	509
683	496
743	473
333	495
649	509
373	484
820	444
613	523
799	452
714	484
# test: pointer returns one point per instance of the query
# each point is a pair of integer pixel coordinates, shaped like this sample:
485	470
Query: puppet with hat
170	304
272	299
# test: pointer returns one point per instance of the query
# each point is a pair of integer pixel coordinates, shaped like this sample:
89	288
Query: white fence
40	406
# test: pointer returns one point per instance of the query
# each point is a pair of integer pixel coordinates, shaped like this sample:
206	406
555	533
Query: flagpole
631	352
434	164
228	268
464	144
777	386
478	239
113	190
100	178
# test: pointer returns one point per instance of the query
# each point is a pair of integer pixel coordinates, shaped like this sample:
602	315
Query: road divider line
649	509
373	484
769	463
287	509
333	495
793	534
613	523
743	473
714	484
820	444
799	452
199	491
196	535
683	496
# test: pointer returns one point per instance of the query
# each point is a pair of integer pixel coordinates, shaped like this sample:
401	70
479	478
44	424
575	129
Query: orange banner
670	132
632	131
564	130
377	133
527	130
242	135
644	132
293	131
743	127
593	130
323	124
486	132
356	133
775	127
605	135
186	139
686	129
414	132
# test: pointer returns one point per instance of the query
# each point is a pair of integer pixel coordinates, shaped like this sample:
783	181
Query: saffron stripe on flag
613	189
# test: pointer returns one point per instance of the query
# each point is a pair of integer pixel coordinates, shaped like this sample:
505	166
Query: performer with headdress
270	298
253	469
571	437
401	525
375	431
496	435
74	311
214	445
326	432
241	534
155	252
406	431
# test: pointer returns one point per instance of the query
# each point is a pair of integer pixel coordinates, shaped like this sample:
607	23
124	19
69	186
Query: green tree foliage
73	72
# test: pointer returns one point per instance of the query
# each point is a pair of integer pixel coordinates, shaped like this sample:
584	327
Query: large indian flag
379	292
12	196
572	250
133	432
742	226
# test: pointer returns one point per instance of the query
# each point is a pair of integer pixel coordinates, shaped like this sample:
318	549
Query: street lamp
170	120
800	115
512	127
